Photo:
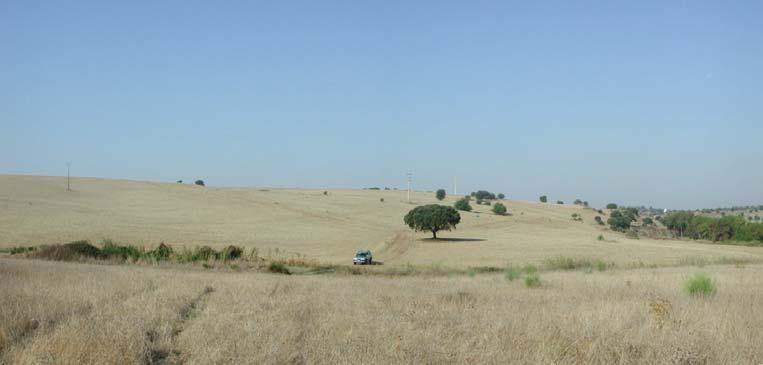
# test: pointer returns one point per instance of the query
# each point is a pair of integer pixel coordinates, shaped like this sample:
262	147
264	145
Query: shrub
21	249
231	253
611	206
440	195
576	217
700	284
432	218
463	204
112	250
180	181
499	209
70	251
559	202
543	199
647	221
601	237
532	280
162	252
325	192
199	182
599	220
501	196
601	265
511	273
278	268
381	200
578	202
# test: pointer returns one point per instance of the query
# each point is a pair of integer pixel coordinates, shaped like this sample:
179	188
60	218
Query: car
363	257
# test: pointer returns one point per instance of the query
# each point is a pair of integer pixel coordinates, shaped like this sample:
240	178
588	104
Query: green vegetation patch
700	284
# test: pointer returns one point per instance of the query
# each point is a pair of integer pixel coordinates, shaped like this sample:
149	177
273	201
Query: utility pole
455	186
410	176
68	176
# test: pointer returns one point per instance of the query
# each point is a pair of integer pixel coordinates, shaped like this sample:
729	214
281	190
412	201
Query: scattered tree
620	220
432	218
199	182
180	181
578	202
611	206
484	195
501	196
543	198
559	202
499	209
440	195
463	204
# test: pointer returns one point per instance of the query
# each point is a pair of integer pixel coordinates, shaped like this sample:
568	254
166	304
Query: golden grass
66	313
329	228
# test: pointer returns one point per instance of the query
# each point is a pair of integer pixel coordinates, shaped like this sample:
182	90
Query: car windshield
361	254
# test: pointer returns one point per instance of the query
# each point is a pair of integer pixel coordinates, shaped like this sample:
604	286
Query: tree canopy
440	195
432	217
463	204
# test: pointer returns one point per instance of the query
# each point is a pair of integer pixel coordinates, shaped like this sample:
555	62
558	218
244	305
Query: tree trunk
434	234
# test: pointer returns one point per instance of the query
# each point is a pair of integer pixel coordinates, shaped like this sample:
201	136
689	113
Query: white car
363	257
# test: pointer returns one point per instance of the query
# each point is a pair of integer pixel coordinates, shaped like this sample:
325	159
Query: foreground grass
132	314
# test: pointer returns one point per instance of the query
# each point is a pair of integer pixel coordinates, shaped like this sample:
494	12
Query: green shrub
501	196
199	182
162	252
21	249
440	195
601	237
647	221
611	206
599	220
700	284
510	273
278	268
68	252
532	280
601	265
499	209
231	253
559	202
543	199
463	204
112	250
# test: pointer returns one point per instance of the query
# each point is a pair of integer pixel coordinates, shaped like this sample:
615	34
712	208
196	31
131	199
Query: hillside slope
37	210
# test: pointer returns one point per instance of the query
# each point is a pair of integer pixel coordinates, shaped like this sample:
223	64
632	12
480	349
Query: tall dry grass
121	314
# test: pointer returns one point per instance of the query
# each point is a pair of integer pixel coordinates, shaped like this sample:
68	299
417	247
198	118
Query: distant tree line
734	228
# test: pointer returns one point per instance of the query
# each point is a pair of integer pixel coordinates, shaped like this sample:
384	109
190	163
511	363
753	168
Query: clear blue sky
654	103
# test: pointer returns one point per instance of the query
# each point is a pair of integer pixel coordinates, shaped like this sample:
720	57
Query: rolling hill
38	210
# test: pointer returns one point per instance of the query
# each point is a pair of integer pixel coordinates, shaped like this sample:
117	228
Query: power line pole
410	176
68	176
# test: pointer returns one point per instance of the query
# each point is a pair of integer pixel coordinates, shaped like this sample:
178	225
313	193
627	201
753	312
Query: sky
635	102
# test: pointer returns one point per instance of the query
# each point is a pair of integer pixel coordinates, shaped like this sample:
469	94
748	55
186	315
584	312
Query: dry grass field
329	228
77	313
632	309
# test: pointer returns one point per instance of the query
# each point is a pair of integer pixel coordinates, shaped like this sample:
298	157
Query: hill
37	210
